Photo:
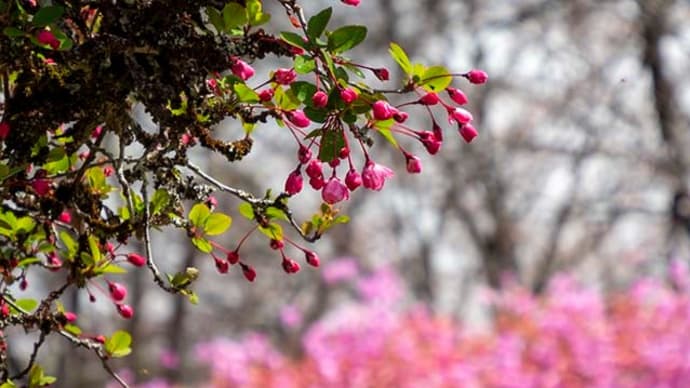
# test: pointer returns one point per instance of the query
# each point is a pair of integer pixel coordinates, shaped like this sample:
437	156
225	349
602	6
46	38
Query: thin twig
32	359
150	263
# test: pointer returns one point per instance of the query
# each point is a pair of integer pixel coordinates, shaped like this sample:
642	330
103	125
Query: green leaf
316	115
93	247
274	212
69	243
28	261
72	329
38	379
161	199
96	179
436	79
202	244
199	214
111	268
343	219
317	23
246	210
273	231
8	384
118	345
399	56
304	64
216	19
25	225
332	142
245	94
47	15
383	128
234	15
26	304
286	99
183	279
57	161
217	223
13	32
255	13
303	90
294	39
346	37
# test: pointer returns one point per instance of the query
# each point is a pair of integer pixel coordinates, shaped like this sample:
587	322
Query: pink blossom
429	99
117	291
477	76
374	175
382	74
4	130
320	99
298	118
291	316
284	76
242	70
334	191
126	311
457	96
48	38
340	270
294	182
468	132
348	95
352	179
462	116
382	110
414	165
315	169
136	260
266	95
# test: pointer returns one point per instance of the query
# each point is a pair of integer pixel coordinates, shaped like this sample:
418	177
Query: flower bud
334	191
319	99
47	37
233	257
312	258
477	76
468	132
348	95
290	266
374	175
117	291
277	244
457	96
136	259
126	311
242	70
429	99
382	74
314	169
266	95
284	76
414	165
248	272
298	118
304	154
460	115
353	180
221	265
294	182
65	217
4	130
381	110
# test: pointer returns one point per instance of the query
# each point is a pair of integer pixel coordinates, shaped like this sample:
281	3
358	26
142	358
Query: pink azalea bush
571	336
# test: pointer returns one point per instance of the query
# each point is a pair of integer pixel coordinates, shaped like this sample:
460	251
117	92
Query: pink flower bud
117	291
136	260
126	311
468	132
382	74
54	262
312	258
353	3
70	316
65	217
47	37
242	70
460	115
457	96
477	76
316	183
99	339
186	139
284	76
429	99
414	165
108	171
290	266
41	187
348	95
353	180
382	110
4	130
96	132
277	244
298	118
344	152
221	265
438	132
211	202
303	154
23	284
334	191
400	116
233	257
294	182
374	175
430	142
320	99
248	272
266	95
315	169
